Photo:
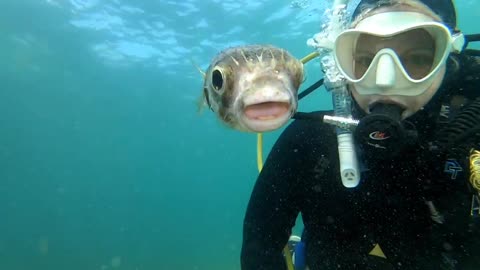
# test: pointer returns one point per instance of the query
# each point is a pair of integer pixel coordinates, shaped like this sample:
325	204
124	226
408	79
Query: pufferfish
253	88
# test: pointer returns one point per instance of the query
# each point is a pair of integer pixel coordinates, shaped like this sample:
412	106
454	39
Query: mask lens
416	50
361	62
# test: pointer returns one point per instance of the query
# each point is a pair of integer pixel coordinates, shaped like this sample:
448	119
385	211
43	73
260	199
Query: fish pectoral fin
203	101
201	104
198	68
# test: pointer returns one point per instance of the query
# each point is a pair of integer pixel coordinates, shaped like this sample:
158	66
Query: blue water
104	161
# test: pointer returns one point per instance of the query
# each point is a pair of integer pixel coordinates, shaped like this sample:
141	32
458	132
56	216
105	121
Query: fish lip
264	125
282	99
269	95
247	103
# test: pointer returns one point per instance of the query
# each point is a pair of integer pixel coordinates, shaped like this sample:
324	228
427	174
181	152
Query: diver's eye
217	80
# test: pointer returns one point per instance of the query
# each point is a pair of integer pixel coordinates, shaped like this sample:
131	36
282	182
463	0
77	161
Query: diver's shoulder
470	63
466	75
310	124
311	118
307	135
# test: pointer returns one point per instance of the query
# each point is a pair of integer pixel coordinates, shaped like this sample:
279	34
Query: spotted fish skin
253	88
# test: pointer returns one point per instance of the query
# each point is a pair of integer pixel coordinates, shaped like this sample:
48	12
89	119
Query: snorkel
336	83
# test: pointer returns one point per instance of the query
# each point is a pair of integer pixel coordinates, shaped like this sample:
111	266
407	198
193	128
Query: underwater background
105	163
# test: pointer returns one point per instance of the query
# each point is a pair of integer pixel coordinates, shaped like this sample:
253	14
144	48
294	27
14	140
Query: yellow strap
259	152
286	251
377	251
304	60
309	57
475	169
288	258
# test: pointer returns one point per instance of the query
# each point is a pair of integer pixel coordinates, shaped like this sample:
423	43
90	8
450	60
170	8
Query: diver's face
416	50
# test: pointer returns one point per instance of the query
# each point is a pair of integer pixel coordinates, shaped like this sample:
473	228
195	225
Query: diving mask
395	53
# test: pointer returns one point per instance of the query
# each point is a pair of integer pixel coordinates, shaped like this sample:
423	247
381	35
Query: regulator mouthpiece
383	132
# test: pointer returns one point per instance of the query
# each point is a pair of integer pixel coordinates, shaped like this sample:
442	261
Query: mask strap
459	42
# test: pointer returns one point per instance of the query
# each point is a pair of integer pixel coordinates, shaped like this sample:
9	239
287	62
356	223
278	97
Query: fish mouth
267	107
266	110
267	115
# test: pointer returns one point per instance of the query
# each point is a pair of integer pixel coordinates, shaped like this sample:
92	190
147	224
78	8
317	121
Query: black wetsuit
390	206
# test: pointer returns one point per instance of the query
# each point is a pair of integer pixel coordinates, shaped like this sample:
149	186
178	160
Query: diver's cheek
362	100
416	103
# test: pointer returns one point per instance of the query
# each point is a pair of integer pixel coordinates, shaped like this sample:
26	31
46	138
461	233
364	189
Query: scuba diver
415	92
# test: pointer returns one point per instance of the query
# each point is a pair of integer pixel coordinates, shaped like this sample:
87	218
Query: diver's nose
385	76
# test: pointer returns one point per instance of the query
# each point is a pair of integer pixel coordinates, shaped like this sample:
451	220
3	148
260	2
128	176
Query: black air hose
463	128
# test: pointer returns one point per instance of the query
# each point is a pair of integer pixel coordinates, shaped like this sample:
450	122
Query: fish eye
217	79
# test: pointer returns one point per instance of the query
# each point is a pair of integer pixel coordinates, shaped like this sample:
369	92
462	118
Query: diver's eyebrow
365	53
423	50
